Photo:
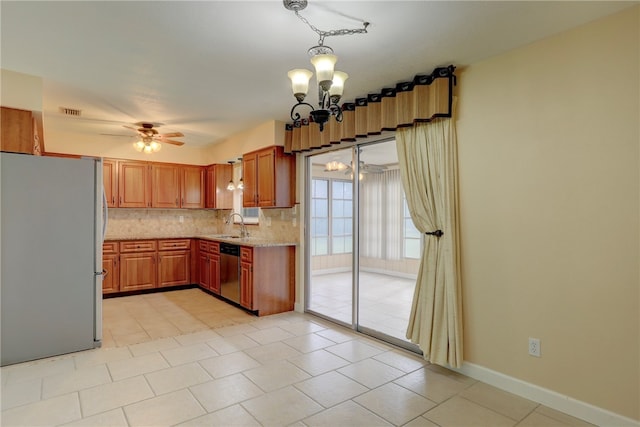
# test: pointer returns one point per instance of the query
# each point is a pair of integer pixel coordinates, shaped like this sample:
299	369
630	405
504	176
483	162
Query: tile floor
172	363
385	300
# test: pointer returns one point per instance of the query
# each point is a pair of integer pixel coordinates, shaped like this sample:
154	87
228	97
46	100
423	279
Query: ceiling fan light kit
330	81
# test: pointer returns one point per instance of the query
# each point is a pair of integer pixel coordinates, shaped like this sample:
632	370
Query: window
331	216
412	238
341	216
320	217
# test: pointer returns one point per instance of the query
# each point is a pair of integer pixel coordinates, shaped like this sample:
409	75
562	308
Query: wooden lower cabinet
246	285
204	275
111	268
137	271
209	265
267	273
267	279
173	268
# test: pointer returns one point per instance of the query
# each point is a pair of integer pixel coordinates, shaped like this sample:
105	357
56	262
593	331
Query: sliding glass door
330	241
363	252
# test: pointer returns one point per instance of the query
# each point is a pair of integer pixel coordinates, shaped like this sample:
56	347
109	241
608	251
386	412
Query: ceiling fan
150	139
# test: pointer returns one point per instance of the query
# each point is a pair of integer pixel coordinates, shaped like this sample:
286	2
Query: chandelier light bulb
300	82
337	87
324	64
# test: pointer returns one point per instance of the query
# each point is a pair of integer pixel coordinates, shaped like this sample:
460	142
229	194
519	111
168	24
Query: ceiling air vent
70	111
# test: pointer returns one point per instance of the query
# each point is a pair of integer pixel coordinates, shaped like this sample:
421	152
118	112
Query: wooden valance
425	98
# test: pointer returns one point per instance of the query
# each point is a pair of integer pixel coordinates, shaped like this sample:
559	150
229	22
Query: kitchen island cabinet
267	279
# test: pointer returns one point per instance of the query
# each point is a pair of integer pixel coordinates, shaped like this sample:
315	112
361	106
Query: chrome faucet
243	228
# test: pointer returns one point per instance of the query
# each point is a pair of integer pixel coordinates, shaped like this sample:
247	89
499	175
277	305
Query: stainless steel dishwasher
230	272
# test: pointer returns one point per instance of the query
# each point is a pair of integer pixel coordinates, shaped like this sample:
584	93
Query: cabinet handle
183	201
120	199
113	200
176	201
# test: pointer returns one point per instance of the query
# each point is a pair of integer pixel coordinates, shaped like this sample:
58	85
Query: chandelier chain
341	32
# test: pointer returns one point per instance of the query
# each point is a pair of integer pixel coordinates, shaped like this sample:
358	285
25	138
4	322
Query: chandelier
147	145
330	82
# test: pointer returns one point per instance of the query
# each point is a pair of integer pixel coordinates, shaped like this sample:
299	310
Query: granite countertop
246	241
226	238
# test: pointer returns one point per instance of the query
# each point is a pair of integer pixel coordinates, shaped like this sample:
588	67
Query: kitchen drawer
214	247
110	247
246	254
138	246
174	244
203	245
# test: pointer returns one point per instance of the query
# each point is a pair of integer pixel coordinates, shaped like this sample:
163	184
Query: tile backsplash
279	225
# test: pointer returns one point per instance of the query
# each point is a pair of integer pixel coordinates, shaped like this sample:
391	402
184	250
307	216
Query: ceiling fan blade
130	127
172	135
170	141
114	134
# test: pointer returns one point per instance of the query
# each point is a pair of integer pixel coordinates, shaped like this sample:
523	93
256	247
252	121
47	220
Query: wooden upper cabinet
16	134
110	181
165	179
269	178
192	188
134	184
218	177
249	179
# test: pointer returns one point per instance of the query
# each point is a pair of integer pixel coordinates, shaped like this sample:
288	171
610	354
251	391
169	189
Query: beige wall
549	195
20	91
264	135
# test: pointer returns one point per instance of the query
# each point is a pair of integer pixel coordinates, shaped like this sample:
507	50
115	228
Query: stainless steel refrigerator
51	220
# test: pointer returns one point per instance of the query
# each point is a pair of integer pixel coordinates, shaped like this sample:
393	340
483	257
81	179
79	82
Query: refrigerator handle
105	216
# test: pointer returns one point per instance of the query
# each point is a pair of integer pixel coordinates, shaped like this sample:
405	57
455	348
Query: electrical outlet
534	347
181	219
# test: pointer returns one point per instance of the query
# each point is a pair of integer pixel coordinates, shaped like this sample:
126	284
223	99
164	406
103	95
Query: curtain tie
437	233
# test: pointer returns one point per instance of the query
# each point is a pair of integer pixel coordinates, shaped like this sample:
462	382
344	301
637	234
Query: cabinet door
266	178
134	185
218	177
173	268
110	182
166	186
246	285
204	279
214	271
192	188
111	281
16	130
137	271
249	172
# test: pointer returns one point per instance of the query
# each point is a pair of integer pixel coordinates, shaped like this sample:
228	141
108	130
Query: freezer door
48	256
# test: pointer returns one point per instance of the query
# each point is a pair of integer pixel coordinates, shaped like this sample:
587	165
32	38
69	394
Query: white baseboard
552	399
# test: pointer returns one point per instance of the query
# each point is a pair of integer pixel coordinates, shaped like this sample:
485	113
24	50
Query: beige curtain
427	153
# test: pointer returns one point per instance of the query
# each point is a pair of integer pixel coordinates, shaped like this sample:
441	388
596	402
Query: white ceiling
210	69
